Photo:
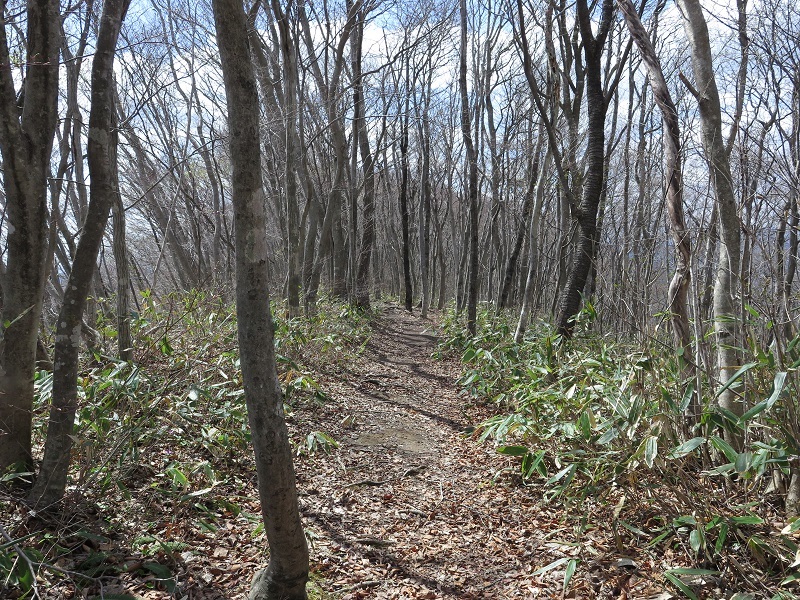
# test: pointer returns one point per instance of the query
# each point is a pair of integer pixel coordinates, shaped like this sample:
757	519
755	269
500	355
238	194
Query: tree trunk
472	182
332	235
404	212
533	257
425	206
292	145
679	286
124	341
527	206
362	283
102	157
727	320
286	576
586	212
26	140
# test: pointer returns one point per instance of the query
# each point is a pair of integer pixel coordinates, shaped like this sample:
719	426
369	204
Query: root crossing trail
407	506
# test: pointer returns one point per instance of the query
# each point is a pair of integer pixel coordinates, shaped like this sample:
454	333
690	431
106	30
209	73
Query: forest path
407	506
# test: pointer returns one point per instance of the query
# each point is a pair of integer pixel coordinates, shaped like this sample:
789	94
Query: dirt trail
408	507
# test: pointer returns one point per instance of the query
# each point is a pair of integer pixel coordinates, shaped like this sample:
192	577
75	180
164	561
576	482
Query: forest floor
409	505
412	506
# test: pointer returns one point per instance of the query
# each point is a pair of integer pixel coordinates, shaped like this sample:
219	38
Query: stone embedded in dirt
405	439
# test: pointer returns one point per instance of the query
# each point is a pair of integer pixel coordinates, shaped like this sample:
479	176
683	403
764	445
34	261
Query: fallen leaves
405	508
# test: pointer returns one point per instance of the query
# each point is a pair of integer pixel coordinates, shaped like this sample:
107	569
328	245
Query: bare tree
472	176
727	320
104	191
292	146
679	287
361	145
585	212
287	573
332	241
28	121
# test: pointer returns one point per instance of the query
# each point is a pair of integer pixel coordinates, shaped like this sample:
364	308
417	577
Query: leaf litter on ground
403	505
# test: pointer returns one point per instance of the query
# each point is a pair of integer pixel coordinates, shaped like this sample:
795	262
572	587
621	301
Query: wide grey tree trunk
26	140
727	320
102	158
287	573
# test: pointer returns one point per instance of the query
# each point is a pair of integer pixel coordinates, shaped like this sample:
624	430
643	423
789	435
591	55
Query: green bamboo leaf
512	450
571	566
789	579
736	376
695	541
747	520
608	436
198	493
534	464
687	397
157	569
163	573
742	462
632	529
650	450
665	396
551	566
777	387
778	384
723	447
791	527
680	585
723	535
688	571
687	447
560	474
754	411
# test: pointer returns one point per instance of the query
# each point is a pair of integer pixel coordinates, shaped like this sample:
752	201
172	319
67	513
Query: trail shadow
448	422
413	365
382	556
440	379
401	333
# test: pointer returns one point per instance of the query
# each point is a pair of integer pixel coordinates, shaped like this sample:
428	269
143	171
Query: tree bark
361	145
26	140
727	320
585	213
287	573
533	257
292	145
405	217
472	181
425	192
679	286
527	207
102	157
124	340
331	234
